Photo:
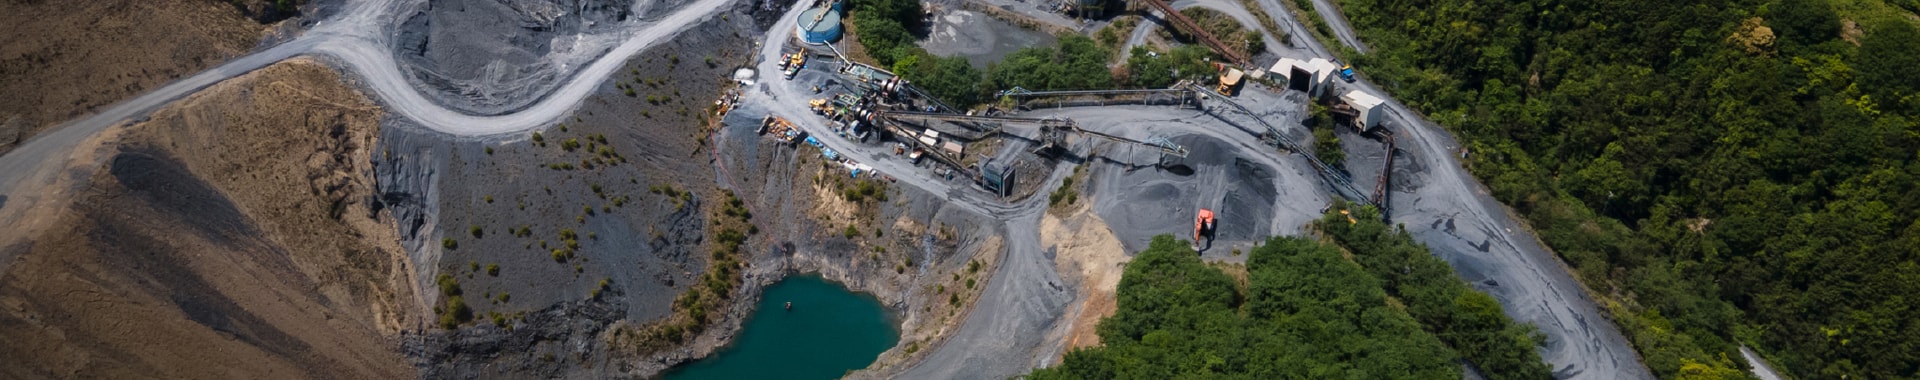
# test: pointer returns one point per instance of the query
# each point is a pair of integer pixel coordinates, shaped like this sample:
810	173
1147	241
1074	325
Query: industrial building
1310	76
1366	108
1292	74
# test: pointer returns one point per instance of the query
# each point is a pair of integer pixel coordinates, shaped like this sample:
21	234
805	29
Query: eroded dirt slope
228	237
61	59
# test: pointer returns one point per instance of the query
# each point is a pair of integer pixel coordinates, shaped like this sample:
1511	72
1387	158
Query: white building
1311	76
1368	107
1323	71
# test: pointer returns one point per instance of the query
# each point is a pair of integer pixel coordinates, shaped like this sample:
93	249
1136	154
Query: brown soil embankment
1090	256
229	236
62	59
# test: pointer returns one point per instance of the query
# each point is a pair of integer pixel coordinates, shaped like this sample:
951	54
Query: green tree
1804	22
1886	65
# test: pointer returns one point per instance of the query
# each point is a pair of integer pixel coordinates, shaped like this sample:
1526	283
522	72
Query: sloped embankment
229	236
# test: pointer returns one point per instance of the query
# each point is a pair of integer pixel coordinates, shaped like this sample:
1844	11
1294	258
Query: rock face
234	222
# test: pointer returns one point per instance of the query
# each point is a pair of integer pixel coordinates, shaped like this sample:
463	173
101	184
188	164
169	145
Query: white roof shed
1367	105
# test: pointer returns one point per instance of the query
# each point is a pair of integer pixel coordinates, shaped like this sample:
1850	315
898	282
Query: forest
1306	312
1719	173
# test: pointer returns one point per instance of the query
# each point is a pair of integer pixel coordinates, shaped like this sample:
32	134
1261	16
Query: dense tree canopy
1713	184
1468	320
1077	63
1308	313
885	28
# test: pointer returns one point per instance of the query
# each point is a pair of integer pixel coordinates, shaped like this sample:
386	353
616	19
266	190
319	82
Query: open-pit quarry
604	188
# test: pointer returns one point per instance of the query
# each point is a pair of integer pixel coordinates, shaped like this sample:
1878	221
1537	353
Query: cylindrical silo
819	26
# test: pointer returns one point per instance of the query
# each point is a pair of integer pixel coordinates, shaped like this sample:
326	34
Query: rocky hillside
237	223
82	55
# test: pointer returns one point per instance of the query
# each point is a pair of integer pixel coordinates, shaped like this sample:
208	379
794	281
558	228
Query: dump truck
1230	79
1346	71
1202	226
796	62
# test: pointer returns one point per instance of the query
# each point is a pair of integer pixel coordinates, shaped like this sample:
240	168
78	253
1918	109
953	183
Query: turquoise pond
829	331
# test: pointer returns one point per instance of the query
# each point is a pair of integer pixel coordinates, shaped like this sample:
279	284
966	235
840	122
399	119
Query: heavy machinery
1203	226
781	129
1230	79
1346	71
795	62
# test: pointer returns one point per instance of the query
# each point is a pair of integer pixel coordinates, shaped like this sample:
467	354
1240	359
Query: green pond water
829	331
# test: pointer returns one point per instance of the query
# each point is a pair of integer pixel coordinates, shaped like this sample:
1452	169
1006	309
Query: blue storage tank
819	26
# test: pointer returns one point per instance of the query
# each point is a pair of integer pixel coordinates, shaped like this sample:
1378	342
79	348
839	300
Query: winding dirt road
1007	332
357	39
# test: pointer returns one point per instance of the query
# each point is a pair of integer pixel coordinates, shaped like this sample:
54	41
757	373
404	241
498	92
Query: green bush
493	270
1065	193
457	313
449	243
1148	70
449	286
883	26
1077	63
1326	146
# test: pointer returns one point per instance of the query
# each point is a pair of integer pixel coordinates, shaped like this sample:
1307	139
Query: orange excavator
1202	226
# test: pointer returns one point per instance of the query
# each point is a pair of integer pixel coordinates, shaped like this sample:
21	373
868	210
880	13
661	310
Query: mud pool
829	331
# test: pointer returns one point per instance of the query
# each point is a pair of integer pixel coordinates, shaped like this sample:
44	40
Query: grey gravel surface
490	57
980	38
